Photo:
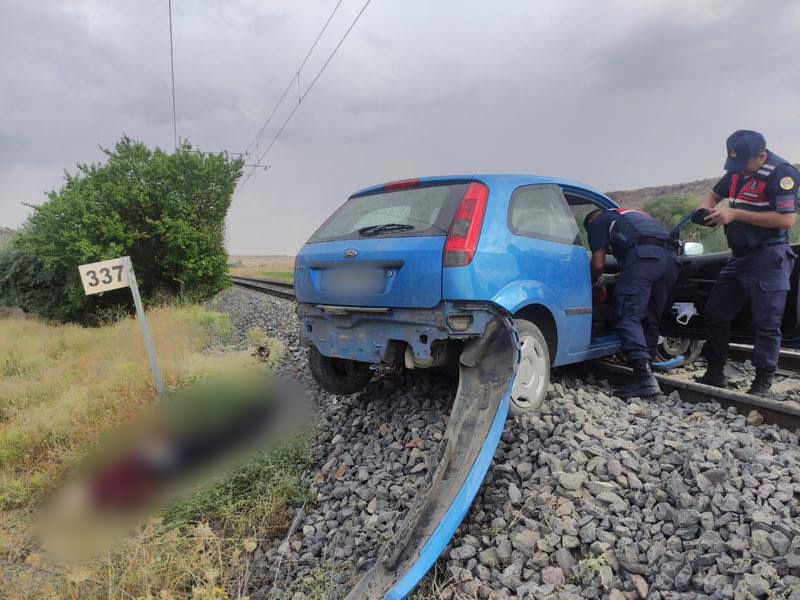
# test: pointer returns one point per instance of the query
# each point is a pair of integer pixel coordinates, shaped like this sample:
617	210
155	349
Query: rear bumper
366	334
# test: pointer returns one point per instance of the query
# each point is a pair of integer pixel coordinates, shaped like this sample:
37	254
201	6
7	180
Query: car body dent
365	337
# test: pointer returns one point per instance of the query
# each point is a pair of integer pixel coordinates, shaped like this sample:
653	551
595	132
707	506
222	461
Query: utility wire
172	69
296	76
303	96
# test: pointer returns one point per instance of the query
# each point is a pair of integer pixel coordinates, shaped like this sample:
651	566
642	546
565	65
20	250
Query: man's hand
699	217
606	279
721	215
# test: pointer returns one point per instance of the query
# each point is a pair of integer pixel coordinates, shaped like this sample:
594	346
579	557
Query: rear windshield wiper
376	229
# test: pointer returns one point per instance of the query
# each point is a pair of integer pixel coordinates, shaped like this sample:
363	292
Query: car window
426	210
390	214
541	211
580	208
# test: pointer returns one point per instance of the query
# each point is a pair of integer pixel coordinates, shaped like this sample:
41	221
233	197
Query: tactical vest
624	233
750	193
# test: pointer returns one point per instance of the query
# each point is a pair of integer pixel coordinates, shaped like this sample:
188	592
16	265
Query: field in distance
267	266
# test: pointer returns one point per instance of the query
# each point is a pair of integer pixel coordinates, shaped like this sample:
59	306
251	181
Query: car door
696	279
546	242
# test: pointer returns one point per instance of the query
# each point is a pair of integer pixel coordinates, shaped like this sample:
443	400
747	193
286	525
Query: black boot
715	375
762	383
643	383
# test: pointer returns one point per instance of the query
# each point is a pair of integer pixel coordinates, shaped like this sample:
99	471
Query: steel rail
773	411
788	360
281	289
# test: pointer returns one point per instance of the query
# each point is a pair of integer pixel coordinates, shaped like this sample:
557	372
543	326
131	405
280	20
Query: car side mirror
693	248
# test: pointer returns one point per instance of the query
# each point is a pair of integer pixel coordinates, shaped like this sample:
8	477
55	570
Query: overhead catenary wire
296	76
308	90
172	70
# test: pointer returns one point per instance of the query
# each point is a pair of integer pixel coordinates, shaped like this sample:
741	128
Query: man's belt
740	251
654	241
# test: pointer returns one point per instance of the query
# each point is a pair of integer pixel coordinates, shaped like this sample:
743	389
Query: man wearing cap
762	188
646	255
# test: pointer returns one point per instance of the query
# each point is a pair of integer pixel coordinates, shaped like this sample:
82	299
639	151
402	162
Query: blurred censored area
105	491
175	448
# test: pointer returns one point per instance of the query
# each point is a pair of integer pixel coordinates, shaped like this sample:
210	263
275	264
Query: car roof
511	180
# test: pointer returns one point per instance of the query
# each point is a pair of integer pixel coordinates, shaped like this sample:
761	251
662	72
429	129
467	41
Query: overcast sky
615	94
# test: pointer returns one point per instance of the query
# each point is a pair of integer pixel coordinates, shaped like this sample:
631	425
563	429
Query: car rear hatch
383	247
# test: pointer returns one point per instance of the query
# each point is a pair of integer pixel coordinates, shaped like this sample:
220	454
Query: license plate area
354	281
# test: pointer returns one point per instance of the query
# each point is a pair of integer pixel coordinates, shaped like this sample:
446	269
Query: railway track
786	415
788	361
780	413
273	287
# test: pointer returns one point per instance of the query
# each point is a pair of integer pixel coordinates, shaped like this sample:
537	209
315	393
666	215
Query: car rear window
426	210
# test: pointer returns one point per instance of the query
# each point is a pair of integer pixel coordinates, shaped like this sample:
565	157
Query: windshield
424	210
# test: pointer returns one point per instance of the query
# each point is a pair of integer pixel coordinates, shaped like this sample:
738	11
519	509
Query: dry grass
268	262
259	272
269	267
63	389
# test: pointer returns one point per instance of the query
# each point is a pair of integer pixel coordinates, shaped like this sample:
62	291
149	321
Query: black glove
699	217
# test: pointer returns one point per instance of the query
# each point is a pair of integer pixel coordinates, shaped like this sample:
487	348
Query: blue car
404	273
489	273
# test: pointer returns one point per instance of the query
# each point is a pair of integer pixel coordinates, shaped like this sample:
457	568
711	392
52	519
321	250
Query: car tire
338	375
533	373
669	348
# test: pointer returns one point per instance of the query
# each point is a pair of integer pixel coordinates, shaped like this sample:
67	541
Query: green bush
669	210
24	282
166	211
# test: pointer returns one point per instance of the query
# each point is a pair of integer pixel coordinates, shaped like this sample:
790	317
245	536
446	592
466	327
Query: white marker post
114	274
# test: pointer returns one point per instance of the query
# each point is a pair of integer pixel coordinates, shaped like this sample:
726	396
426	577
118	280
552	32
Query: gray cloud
617	94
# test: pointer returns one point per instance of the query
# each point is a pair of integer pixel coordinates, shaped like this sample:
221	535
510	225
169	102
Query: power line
303	96
241	155
296	76
172	69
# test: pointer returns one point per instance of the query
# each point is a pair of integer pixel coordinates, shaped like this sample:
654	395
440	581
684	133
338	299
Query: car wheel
533	372
338	375
672	347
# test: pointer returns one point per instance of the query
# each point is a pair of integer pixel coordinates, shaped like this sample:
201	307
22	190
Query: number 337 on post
104	276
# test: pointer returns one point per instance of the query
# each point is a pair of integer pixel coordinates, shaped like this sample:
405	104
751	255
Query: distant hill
638	198
5	235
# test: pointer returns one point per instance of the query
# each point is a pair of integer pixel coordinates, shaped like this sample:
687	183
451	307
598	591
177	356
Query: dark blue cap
742	146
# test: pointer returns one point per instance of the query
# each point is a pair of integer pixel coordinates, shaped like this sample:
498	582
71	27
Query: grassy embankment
258	272
63	389
266	267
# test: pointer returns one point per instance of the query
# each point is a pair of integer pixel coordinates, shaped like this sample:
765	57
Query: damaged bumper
375	335
488	367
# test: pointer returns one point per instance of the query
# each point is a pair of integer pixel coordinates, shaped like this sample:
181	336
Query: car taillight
465	230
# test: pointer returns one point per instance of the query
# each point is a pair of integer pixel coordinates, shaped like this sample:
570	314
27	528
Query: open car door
697	277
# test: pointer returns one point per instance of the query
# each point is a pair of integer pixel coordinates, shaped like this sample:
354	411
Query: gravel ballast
595	497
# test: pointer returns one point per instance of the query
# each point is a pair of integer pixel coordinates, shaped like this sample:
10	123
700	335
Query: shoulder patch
787	183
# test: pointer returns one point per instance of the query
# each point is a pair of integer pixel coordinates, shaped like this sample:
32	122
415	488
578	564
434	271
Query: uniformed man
649	268
762	188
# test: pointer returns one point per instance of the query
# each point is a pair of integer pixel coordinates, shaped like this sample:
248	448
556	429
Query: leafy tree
166	211
669	210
